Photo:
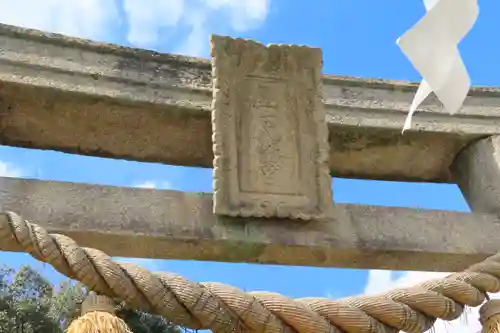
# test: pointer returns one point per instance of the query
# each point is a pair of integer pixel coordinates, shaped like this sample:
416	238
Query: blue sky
358	39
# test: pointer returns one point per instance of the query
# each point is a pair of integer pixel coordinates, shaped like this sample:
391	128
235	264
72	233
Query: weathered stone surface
269	131
477	172
68	94
175	225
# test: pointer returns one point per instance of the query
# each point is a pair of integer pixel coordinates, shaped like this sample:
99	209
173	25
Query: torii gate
276	144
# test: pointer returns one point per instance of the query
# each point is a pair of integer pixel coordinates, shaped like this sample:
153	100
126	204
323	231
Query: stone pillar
477	171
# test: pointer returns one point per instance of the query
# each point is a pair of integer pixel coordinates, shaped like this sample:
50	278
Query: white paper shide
431	45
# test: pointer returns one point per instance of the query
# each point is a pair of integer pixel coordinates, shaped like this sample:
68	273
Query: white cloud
7	170
146	19
196	42
157	185
147	23
244	14
380	281
83	18
183	25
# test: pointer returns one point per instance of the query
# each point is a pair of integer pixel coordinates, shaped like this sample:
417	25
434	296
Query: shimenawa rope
224	309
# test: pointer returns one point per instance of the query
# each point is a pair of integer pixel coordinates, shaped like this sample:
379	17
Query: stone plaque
269	131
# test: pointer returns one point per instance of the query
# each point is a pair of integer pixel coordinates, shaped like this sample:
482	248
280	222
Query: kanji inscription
269	131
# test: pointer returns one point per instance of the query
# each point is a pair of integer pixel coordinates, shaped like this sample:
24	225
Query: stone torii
273	139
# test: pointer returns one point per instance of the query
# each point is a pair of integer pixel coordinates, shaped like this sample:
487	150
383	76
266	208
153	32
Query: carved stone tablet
269	131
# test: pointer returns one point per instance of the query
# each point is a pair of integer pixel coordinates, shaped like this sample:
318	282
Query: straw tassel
489	316
98	316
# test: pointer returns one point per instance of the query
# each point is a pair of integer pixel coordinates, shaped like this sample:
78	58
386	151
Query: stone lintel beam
176	225
477	171
68	94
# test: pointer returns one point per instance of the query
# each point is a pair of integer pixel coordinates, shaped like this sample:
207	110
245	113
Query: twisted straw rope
224	309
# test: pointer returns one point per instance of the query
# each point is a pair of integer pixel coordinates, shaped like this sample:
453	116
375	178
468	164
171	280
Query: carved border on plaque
240	65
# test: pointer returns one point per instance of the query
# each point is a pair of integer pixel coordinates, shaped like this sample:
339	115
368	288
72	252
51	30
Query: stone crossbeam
149	223
77	96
